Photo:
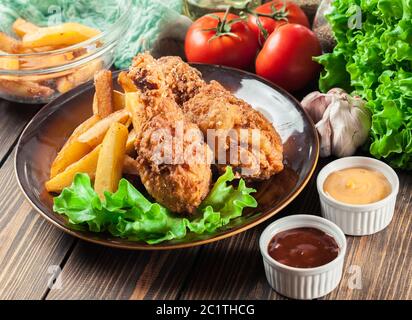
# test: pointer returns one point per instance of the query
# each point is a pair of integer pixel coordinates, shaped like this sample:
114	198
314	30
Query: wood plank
13	118
97	272
31	248
233	269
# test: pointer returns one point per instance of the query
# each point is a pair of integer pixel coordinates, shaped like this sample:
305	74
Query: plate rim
138	245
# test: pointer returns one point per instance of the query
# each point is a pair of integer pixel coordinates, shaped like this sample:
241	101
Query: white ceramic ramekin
358	220
303	283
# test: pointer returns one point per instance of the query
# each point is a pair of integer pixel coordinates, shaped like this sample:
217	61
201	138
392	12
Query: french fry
64	84
87	164
130	149
41	63
9	63
9	44
21	27
73	150
136	108
96	133
65	34
27	89
37	77
79	76
130	166
95	106
110	162
103	83
118	100
126	83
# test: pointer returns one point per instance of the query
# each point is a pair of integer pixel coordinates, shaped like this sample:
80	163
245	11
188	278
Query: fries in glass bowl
40	62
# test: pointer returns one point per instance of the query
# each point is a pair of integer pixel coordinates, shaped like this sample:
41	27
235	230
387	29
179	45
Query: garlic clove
315	104
350	127
324	129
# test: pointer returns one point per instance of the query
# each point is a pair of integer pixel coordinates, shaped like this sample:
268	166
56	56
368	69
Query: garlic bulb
343	122
315	104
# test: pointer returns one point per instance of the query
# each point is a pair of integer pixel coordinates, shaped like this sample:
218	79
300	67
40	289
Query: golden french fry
73	150
44	49
64	84
110	162
87	164
130	149
65	34
130	166
95	107
136	108
41	63
126	83
118	100
36	77
79	76
22	27
103	83
94	135
27	89
9	44
9	63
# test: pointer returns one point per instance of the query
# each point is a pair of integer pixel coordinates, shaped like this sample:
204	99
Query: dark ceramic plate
49	129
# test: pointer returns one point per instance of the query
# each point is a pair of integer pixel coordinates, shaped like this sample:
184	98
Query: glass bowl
39	77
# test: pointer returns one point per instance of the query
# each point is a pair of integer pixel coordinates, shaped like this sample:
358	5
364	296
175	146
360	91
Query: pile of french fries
34	39
103	145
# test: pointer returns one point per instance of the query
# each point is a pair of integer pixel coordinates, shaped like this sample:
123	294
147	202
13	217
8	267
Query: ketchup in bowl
303	248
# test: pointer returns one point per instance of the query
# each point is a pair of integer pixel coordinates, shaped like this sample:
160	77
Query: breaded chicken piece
182	79
170	75
210	106
173	160
216	108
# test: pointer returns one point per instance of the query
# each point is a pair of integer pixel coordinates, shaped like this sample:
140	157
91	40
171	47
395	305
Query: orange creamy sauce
357	186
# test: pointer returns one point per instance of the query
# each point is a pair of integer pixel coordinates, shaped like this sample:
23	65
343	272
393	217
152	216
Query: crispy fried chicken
173	160
216	108
170	75
211	107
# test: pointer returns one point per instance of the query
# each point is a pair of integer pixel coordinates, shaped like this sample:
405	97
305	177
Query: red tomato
216	39
274	14
286	57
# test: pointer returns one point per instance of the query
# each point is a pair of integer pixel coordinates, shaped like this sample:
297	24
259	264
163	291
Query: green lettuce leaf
128	214
375	62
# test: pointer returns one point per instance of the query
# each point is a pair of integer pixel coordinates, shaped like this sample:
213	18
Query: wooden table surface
33	252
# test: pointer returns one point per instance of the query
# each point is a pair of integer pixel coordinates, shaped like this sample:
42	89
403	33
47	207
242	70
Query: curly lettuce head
375	61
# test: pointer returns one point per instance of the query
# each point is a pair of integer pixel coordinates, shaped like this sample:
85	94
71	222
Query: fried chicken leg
173	160
170	75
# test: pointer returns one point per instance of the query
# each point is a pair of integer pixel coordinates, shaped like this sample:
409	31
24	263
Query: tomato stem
276	14
224	27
